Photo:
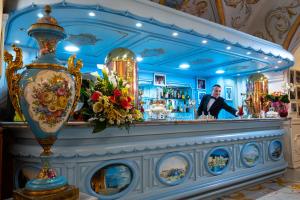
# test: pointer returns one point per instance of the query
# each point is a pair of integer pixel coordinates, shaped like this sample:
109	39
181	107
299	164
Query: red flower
112	99
117	93
128	99
96	95
125	104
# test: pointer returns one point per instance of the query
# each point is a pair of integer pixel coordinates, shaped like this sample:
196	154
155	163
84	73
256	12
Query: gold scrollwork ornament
74	69
13	78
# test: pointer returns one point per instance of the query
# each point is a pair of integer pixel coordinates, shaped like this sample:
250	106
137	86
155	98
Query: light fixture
92	14
276	67
266	57
138	24
100	66
139	58
238	74
279	61
17	41
71	48
258	71
175	34
228	47
40	15
220	71
204	41
184	66
248	53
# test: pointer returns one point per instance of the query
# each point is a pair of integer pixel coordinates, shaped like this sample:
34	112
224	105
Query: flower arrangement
279	101
107	102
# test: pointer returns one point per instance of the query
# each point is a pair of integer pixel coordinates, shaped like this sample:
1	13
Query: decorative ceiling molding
291	33
278	22
245	11
220	10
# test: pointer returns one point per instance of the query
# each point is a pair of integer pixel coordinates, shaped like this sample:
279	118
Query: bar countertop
156	122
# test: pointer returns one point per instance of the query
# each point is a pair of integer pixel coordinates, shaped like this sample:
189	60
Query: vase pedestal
69	193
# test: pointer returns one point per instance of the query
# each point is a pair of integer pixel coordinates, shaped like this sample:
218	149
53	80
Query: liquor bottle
182	95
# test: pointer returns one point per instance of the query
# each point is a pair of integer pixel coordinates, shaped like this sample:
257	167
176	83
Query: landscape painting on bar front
173	169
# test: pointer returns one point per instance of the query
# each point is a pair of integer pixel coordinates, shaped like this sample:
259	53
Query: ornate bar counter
159	160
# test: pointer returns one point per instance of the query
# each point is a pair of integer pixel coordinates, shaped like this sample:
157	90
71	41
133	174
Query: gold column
257	88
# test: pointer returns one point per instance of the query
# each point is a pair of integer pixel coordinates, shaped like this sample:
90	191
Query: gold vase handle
13	78
74	69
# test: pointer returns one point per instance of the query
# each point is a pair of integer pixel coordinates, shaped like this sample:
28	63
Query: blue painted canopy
205	46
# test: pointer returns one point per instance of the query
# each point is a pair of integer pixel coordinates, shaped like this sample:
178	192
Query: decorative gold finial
47	9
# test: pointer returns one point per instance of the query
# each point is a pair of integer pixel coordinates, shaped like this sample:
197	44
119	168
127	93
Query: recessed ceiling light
92	14
139	58
17	41
258	71
266	57
279	61
71	48
184	66
204	41
238	74
40	15
276	67
248	53
220	71
175	34
138	24
100	66
228	47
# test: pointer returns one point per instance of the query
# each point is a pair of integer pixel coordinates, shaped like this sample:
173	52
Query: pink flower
96	95
61	91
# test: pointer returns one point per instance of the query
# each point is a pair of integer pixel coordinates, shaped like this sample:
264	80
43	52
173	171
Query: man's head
216	90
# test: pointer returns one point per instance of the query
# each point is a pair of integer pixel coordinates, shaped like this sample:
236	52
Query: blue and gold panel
275	150
174	168
112	179
24	173
217	160
250	154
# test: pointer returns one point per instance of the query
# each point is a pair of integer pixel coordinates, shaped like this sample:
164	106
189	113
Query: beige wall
297	59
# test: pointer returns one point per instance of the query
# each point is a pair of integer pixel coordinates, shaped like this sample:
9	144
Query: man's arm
201	107
229	109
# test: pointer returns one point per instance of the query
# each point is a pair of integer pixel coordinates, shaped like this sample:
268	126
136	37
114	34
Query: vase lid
47	23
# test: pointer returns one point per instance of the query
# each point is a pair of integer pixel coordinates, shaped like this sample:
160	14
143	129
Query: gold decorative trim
70	193
45	66
45	192
46	26
74	69
13	78
47	144
291	33
220	10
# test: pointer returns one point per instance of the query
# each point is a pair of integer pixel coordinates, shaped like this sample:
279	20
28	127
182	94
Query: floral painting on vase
111	179
275	150
50	98
217	161
250	154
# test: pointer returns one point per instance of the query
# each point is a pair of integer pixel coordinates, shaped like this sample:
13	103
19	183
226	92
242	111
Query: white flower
105	70
113	80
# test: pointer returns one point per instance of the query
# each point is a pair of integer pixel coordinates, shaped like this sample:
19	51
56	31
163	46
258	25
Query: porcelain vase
45	93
